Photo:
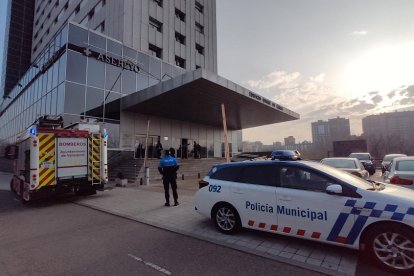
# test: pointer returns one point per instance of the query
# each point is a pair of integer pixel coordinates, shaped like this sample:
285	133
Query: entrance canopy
197	96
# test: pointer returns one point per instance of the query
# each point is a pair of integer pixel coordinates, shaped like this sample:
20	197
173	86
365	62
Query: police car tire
226	219
376	237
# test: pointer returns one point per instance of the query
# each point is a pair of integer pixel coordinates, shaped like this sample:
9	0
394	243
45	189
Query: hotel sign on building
122	63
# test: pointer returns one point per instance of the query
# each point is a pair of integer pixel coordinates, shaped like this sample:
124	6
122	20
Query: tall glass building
162	78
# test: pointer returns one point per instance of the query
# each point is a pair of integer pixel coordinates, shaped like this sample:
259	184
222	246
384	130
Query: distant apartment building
325	132
277	145
389	133
289	141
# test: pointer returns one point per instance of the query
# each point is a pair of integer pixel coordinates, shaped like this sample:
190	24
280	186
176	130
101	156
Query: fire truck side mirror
12	152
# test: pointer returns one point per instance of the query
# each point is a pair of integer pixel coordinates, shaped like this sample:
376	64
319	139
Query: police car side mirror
334	189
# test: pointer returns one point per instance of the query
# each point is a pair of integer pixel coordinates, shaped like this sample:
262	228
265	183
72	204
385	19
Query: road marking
154	266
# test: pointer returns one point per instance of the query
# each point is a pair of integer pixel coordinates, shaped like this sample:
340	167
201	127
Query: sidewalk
145	204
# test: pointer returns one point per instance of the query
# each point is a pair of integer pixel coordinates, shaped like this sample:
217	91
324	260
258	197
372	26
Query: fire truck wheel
24	193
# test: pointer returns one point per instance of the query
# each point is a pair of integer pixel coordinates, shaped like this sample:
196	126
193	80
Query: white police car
312	201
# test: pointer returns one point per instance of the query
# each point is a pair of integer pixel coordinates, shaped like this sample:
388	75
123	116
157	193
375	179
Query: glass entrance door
140	147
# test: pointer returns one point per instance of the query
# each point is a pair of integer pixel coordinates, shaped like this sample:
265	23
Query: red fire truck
50	159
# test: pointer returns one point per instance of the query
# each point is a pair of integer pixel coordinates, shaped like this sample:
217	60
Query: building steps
133	169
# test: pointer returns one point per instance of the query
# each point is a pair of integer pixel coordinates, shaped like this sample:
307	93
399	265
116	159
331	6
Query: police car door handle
285	198
238	192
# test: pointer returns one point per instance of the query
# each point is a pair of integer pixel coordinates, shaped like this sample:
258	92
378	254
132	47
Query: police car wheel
226	219
392	246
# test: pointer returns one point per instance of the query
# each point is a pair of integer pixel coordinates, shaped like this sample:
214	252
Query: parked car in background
401	172
351	165
386	161
285	155
366	160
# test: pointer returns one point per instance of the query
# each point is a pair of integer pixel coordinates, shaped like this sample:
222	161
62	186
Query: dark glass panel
53	102
62	68
60	99
78	36
76	67
94	99
128	82
113	78
96	73
114	47
97	40
74	98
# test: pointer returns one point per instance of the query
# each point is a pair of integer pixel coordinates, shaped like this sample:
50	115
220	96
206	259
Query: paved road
361	265
61	238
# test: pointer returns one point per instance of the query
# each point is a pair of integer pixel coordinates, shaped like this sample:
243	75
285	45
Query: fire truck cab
50	159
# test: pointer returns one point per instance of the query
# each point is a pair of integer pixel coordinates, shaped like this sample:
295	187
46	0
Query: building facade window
158	2
180	38
84	21
91	14
99	6
155	51
199	28
200	49
179	14
101	27
199	7
155	24
180	62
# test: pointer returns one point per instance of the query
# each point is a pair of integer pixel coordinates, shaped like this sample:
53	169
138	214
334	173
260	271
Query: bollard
182	176
140	181
146	176
198	175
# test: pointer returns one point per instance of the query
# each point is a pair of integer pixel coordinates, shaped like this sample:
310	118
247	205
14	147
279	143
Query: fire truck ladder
95	159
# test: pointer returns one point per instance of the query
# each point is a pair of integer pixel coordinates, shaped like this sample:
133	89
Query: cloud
359	33
315	98
376	99
406	101
392	94
409	91
275	79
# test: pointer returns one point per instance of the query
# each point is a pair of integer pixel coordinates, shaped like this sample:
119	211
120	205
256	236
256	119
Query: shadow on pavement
366	267
10	202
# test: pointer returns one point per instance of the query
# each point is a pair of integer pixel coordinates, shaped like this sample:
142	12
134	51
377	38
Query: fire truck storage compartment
72	157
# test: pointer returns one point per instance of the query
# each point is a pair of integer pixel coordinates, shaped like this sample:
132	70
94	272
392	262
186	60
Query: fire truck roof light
32	131
105	133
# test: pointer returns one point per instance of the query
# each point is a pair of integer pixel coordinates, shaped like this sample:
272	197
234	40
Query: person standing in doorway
158	148
168	169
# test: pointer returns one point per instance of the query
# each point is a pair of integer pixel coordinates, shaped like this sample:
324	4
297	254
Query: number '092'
214	188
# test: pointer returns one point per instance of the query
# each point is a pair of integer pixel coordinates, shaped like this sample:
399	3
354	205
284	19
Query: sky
319	58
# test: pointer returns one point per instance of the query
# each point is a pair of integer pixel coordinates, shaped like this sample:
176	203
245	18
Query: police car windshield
344	176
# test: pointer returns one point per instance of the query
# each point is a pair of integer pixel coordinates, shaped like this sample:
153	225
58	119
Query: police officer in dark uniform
168	169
